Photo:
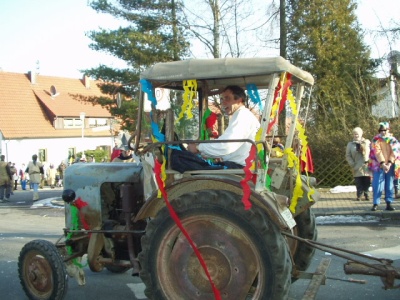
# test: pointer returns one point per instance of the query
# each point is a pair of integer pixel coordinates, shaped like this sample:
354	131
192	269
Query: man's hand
386	167
192	147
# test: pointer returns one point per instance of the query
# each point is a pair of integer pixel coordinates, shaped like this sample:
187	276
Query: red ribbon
248	176
285	89
157	171
79	204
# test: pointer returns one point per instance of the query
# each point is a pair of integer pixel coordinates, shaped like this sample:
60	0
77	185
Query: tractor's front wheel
245	254
41	271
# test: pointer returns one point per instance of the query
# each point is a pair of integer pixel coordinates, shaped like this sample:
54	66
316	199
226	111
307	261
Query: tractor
197	234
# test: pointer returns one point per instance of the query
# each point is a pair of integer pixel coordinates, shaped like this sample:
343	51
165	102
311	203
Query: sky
49	35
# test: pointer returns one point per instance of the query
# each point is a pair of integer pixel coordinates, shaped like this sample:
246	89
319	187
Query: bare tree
225	27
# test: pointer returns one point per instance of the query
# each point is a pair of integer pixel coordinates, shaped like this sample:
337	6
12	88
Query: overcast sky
53	33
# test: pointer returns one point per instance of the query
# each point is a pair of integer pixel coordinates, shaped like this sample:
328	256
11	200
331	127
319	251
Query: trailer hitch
357	262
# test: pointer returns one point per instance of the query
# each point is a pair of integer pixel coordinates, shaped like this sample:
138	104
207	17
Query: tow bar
357	264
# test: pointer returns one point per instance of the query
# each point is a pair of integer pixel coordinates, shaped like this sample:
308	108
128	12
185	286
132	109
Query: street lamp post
82	117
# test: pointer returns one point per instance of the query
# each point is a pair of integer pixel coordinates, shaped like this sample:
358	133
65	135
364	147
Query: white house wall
21	151
387	107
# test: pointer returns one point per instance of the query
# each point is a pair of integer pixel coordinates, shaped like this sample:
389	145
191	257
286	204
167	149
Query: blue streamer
252	91
147	87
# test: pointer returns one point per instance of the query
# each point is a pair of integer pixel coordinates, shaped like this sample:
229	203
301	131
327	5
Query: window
72	123
93	122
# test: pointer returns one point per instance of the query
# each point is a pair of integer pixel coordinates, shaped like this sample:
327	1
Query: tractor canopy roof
220	72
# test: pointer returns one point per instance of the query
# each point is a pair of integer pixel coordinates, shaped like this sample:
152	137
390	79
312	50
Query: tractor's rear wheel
41	271
306	229
244	252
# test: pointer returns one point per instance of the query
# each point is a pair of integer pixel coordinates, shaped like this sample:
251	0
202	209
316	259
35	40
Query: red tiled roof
27	110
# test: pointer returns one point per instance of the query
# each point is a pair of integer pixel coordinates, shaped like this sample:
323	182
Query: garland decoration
252	91
161	185
190	88
293	161
76	216
207	125
248	176
156	134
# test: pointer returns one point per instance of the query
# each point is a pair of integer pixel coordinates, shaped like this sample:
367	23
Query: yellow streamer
190	88
277	100
163	174
293	161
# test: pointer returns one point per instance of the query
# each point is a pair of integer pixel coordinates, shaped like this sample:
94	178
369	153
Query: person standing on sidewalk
384	163
5	180
22	177
357	155
35	170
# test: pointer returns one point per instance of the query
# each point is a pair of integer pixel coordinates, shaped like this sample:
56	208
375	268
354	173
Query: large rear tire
306	229
42	271
245	253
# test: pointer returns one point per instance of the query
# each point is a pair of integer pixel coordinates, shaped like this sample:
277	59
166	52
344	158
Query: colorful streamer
252	91
147	87
298	191
190	88
281	94
160	182
248	176
75	217
207	125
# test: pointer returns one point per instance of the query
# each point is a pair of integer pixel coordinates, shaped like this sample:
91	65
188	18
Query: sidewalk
345	204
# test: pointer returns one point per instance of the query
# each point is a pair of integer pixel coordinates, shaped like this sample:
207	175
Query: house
46	116
388	98
389	92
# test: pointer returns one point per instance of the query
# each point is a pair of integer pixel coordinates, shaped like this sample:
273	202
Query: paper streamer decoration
190	88
178	222
157	136
252	91
147	87
248	176
75	217
280	98
293	160
207	125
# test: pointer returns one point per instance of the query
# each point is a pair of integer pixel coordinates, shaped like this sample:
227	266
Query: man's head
126	151
384	128
232	97
34	157
357	134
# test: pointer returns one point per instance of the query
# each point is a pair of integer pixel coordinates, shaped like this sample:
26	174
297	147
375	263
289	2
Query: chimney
32	77
86	81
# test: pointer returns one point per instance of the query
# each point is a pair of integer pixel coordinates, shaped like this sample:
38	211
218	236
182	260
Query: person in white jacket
243	124
357	156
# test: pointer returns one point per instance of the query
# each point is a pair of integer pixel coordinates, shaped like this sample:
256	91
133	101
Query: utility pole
282	25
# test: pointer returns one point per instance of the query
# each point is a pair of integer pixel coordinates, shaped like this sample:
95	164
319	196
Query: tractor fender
268	201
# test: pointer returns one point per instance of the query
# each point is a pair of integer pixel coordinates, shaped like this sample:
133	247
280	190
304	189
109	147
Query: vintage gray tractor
201	234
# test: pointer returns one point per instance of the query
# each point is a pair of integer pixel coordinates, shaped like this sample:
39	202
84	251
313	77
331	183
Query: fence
331	172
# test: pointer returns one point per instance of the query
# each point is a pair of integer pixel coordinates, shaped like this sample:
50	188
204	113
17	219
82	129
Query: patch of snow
344	189
48	202
345	219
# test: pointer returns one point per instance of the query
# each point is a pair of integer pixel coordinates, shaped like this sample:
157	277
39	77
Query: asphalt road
20	223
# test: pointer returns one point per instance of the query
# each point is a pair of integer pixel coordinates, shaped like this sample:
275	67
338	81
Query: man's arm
242	126
9	173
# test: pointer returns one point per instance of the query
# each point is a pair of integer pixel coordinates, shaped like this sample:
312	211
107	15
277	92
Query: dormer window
97	122
72	123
